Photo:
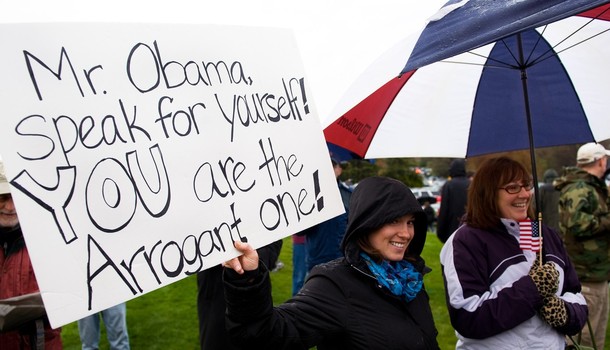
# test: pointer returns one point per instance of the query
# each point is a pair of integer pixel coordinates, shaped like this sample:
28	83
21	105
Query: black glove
546	278
554	312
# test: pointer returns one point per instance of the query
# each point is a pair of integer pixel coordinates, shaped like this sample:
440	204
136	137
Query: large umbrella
484	77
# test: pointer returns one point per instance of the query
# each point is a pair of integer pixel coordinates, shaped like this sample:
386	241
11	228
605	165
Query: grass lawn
167	318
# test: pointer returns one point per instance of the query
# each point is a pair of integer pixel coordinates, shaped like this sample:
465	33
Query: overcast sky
337	39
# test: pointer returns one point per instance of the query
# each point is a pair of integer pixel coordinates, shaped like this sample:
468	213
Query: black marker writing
169	259
174	74
249	110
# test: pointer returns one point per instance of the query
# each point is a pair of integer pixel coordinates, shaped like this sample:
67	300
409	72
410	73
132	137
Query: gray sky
337	39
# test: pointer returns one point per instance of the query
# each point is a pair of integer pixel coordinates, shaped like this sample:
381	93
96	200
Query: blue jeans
115	321
299	266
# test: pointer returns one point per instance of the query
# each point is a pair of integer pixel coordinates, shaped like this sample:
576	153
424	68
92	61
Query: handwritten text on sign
139	153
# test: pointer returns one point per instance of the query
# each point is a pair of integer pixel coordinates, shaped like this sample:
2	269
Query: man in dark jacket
211	301
453	200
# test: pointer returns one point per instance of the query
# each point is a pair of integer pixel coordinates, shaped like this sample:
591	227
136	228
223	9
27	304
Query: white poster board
138	152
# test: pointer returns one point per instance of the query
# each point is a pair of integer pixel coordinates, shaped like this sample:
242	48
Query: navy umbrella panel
500	97
463	25
539	87
340	154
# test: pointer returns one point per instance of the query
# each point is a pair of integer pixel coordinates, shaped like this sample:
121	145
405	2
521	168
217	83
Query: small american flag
529	235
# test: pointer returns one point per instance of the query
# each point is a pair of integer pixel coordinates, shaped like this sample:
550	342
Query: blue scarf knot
400	278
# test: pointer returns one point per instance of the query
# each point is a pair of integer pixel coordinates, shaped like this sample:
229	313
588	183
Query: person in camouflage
584	222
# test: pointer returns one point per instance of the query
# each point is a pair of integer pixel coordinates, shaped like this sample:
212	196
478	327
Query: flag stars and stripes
529	235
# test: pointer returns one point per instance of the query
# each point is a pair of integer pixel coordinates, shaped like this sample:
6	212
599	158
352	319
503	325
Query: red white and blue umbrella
483	77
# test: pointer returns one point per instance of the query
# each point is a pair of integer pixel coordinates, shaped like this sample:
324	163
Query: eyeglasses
516	188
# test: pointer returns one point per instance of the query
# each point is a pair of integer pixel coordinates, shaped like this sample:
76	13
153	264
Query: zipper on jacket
367	275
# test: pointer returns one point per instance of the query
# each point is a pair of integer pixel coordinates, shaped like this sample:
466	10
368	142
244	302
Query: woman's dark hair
365	245
482	209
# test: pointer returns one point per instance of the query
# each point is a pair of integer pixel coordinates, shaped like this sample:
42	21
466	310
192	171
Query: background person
211	303
453	200
372	298
584	222
430	216
499	296
549	200
323	241
115	322
299	263
17	278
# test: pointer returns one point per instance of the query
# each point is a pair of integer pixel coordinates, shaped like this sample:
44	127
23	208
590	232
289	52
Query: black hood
457	168
550	175
377	201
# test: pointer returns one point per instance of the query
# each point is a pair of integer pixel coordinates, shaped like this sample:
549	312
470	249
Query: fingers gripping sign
248	261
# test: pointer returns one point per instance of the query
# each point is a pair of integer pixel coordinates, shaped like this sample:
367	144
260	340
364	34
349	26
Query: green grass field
167	318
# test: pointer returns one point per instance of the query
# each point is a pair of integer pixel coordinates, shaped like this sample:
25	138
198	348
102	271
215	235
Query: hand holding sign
247	261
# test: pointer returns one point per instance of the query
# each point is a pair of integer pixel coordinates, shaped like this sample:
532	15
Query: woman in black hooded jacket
372	298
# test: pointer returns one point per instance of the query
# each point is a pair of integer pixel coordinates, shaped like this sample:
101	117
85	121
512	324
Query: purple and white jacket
493	303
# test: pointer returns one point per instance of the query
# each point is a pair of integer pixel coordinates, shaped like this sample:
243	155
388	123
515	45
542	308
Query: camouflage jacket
584	222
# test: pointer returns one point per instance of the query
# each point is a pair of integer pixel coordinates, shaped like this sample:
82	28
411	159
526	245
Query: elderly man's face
8	214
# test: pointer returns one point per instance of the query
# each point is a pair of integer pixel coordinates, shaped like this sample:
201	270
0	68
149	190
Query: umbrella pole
530	134
540	232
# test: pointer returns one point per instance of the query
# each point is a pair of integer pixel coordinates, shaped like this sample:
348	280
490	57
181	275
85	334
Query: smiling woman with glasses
499	293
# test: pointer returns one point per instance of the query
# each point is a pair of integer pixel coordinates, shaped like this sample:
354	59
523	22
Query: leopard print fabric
554	312
546	278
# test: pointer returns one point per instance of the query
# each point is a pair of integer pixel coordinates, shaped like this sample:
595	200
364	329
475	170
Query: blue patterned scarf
400	277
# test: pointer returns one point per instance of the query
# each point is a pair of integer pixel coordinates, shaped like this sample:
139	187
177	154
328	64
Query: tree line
405	169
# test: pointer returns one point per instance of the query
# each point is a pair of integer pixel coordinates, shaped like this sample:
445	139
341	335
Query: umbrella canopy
424	199
512	75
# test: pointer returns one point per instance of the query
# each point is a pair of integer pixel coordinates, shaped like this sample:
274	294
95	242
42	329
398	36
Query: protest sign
137	153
